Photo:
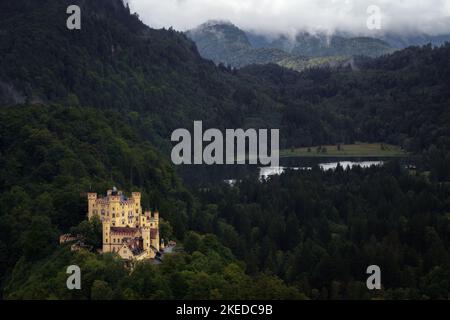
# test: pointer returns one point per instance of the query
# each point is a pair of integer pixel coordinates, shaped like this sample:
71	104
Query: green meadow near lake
357	150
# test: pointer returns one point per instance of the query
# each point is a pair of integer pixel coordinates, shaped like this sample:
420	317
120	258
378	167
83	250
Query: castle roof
124	230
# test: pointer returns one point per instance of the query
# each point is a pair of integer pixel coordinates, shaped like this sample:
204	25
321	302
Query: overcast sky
289	16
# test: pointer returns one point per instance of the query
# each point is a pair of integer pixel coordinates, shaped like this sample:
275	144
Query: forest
85	111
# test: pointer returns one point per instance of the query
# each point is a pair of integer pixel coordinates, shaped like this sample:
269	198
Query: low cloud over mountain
291	16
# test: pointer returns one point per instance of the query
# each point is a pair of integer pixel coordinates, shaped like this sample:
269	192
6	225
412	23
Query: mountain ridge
224	42
228	44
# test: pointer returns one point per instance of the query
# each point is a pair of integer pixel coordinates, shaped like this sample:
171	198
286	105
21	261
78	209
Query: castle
128	231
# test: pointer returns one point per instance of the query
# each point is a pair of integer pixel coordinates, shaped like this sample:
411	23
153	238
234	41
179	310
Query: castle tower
156	219
106	236
146	238
136	196
92	198
155	242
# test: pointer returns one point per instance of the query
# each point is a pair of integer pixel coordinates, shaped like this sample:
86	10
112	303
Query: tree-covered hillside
50	157
116	62
320	231
86	110
402	99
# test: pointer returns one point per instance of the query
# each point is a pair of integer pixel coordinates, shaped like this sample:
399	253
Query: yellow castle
128	231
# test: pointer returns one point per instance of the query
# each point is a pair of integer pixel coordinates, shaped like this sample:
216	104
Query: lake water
204	176
266	172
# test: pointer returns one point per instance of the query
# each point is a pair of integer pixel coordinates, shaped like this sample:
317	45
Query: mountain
400	41
225	43
219	39
320	45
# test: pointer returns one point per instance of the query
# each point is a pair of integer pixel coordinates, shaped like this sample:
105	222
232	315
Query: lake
210	175
266	172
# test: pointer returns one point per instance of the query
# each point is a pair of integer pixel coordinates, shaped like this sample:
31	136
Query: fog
291	16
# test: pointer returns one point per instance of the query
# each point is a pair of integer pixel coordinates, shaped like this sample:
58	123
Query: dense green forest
51	156
93	108
319	231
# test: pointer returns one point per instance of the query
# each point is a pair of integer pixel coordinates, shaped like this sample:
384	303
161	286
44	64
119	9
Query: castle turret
136	196
92	198
155	242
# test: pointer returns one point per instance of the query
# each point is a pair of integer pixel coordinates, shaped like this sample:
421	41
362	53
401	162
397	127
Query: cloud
291	16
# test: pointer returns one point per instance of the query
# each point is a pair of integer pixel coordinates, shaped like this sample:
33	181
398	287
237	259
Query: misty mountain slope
400	41
320	45
218	40
225	43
